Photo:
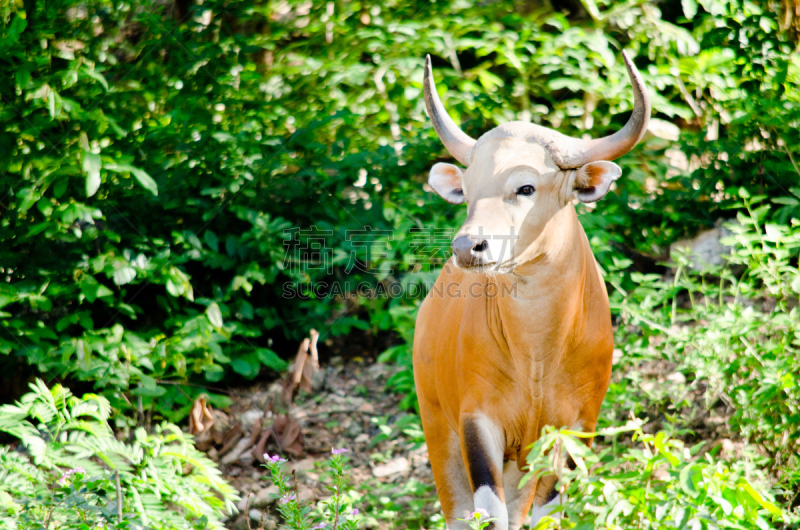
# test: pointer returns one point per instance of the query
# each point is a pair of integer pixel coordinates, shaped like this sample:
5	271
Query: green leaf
60	187
211	240
245	367
141	176
270	359
93	290
92	164
689	477
146	391
51	104
91	72
489	81
774	510
795	285
576	451
689	8
214	315
16	28
663	450
213	372
174	288
145	180
124	275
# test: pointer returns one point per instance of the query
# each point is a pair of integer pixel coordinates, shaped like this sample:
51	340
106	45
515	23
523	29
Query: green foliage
478	520
165	483
655	482
159	163
408	425
162	161
731	331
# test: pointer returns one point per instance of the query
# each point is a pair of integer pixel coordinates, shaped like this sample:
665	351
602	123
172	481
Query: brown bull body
521	351
516	334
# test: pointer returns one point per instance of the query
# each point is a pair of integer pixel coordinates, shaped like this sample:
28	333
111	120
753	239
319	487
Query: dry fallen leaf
301	373
295	373
231	438
261	446
288	434
311	364
201	417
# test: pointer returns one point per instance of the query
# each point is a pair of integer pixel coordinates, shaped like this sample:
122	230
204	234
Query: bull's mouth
487	268
481	268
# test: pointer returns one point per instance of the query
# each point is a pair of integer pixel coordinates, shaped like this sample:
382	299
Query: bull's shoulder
439	316
444	293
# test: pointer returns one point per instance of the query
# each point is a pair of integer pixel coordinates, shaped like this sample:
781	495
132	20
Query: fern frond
74	433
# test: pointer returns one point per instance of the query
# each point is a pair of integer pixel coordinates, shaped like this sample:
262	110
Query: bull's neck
560	252
549	300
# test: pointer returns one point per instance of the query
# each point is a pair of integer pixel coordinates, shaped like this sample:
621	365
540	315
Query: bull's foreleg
452	483
482	446
518	500
449	472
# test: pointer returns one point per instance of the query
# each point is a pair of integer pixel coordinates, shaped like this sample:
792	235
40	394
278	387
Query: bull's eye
526	190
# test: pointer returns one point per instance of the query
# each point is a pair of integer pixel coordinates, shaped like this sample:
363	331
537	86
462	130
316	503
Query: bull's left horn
625	139
454	139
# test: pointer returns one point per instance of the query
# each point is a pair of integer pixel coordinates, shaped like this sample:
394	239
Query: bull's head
519	175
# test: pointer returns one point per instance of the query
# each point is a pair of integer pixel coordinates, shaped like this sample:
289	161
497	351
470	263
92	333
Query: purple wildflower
286	498
339	451
274	459
320	525
479	514
355	511
68	473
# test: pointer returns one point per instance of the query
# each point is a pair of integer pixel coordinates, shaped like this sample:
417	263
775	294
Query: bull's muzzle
470	251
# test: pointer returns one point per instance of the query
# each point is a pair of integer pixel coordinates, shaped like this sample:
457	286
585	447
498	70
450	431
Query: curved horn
454	139
625	139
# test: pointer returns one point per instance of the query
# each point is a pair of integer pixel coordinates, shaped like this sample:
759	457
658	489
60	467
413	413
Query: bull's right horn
622	141
454	139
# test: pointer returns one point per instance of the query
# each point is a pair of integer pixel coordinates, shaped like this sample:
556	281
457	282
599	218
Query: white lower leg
488	501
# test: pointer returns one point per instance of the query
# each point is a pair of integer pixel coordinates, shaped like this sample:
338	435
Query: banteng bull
516	333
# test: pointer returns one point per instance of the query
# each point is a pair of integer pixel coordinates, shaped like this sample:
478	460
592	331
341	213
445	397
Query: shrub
166	166
731	331
69	470
652	481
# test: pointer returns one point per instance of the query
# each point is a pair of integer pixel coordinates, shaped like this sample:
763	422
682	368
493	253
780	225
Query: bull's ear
447	181
593	180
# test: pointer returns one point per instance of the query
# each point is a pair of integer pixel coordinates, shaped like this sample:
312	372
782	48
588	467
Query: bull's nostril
480	247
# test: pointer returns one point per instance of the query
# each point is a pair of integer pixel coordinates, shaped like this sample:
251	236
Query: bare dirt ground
348	407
